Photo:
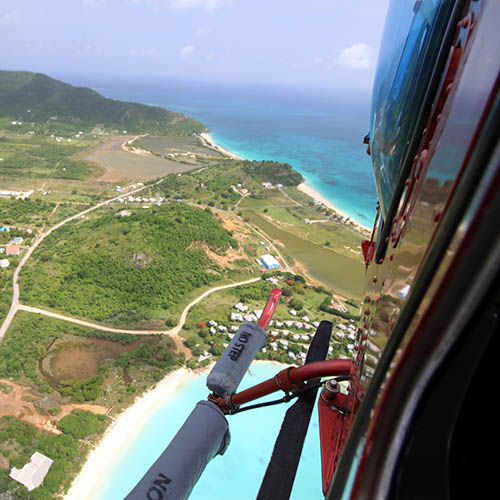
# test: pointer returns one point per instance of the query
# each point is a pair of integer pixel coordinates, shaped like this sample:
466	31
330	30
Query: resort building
12	250
34	472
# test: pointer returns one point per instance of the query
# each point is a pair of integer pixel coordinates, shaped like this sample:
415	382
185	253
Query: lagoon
341	273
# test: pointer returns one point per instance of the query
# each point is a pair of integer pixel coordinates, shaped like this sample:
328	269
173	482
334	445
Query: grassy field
163	145
342	274
119	163
40	156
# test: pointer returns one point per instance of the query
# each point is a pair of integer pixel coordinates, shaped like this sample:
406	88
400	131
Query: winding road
14	306
172	332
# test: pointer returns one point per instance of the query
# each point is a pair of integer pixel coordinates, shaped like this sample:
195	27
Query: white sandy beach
119	433
321	199
211	144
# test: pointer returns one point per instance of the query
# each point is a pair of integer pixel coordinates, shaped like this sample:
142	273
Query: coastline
312	193
209	142
304	187
118	434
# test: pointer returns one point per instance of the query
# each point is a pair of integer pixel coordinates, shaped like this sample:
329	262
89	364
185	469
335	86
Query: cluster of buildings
68	139
11	249
288	333
138	199
19	195
346	331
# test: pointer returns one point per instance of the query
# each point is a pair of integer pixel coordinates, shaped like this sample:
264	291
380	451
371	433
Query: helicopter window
394	107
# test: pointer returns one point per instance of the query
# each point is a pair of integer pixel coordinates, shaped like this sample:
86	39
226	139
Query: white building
269	262
33	473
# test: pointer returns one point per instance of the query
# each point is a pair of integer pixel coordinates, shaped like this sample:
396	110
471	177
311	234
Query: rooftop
34	472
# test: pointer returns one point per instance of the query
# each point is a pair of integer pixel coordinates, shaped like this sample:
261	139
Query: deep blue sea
318	131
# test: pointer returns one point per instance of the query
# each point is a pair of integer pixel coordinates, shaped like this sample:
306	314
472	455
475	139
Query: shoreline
304	187
210	143
118	433
312	193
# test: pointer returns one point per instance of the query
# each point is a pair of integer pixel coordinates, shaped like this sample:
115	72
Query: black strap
280	474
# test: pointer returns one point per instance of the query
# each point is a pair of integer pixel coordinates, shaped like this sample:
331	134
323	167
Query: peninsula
132	248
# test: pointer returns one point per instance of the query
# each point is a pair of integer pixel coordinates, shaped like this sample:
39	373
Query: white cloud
39	46
186	52
198	4
203	31
209	5
359	56
210	57
89	50
91	4
147	52
10	17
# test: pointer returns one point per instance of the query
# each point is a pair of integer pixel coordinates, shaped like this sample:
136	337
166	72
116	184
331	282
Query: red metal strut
289	379
271	304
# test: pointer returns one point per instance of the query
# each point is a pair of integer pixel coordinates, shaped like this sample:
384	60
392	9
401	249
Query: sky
324	43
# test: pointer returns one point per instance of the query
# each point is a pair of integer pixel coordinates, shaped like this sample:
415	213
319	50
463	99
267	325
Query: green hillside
35	98
127	270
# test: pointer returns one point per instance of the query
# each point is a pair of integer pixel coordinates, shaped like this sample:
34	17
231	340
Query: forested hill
34	97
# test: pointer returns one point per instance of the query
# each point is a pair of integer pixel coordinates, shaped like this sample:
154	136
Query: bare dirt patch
79	358
122	162
20	402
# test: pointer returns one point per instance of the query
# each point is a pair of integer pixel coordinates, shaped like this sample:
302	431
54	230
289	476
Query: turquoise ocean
319	132
237	474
